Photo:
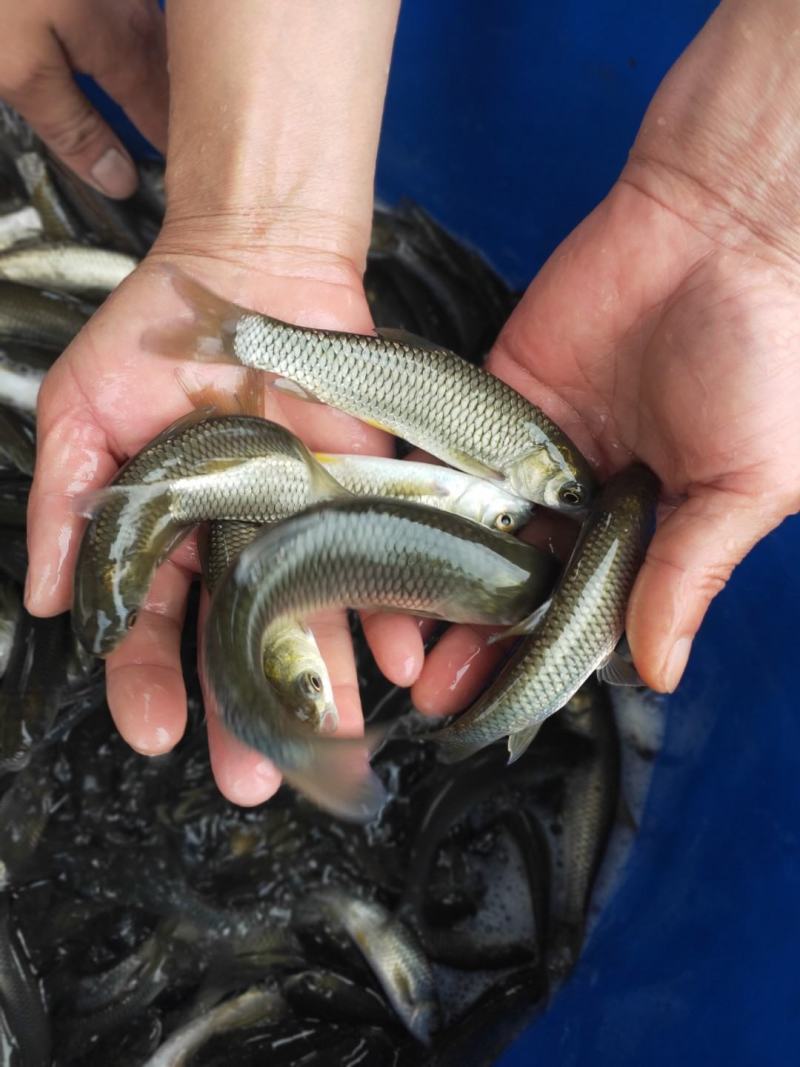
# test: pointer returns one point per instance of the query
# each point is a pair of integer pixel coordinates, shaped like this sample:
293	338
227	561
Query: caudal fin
208	337
246	399
340	779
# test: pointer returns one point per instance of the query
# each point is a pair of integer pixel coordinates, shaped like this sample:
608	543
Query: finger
127	54
243	776
144	680
456	670
71	128
72	456
689	561
332	632
396	643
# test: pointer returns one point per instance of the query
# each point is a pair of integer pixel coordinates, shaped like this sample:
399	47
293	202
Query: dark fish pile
146	920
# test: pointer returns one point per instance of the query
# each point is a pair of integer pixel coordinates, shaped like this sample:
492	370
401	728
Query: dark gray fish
576	632
10	608
31	317
333	997
24	810
17	448
23	1012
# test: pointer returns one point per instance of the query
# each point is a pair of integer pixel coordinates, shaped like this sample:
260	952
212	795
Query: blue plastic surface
509	122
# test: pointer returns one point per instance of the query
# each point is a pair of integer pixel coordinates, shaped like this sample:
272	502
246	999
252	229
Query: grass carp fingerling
357	553
577	632
426	394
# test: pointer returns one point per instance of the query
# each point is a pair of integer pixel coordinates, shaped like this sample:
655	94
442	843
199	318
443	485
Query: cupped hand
665	329
103	400
122	45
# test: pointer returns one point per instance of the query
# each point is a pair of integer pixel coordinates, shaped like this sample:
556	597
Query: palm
644	337
105	398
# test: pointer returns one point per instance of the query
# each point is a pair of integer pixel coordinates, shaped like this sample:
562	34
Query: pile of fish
418	910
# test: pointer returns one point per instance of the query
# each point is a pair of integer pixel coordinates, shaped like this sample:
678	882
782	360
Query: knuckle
72	135
712	578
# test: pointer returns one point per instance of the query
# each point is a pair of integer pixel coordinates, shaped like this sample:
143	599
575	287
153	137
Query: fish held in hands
401	383
576	632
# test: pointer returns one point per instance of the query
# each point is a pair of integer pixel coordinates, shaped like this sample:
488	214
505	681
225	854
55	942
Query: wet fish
57	221
28	316
248	1009
576	632
395	956
293	664
10	608
22	224
591	796
22	371
31	687
70	268
427	395
352	553
23	1013
474	498
330	996
17	449
228	467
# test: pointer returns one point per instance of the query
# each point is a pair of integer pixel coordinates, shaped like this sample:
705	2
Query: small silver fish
396	957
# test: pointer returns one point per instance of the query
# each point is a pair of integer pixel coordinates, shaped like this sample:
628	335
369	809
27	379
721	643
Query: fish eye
134	615
504	521
312	682
571	494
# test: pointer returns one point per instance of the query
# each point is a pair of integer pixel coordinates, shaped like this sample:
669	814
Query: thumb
72	129
689	561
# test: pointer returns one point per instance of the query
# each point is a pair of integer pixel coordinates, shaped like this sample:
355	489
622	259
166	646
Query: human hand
667	327
122	45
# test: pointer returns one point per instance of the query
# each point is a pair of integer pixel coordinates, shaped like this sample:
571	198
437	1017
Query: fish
22	371
24	810
293	664
254	1006
225	467
23	1013
590	806
331	996
395	956
10	607
69	268
17	449
403	384
31	687
576	632
462	494
21	224
33	317
357	553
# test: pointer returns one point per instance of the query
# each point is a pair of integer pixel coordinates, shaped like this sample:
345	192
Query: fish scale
582	625
427	395
359	554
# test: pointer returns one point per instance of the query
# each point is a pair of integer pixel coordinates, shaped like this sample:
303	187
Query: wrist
720	143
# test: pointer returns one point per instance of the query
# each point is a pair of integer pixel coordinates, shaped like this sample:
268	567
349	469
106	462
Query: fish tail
209	336
340	779
246	399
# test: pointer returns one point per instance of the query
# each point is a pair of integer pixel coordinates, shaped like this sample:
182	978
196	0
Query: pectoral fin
519	741
520	629
618	671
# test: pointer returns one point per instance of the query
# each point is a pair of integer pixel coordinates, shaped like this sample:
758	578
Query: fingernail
676	663
114	173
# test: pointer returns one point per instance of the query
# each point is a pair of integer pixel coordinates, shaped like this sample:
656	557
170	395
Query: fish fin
470	465
323	482
214	401
404	337
519	741
209	336
340	780
250	393
290	388
618	671
525	626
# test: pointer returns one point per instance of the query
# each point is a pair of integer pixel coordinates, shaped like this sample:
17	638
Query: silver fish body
22	371
577	632
22	224
396	957
428	395
253	1007
69	268
478	499
32	317
352	553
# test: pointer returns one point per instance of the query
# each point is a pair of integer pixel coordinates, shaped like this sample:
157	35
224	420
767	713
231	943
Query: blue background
509	122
